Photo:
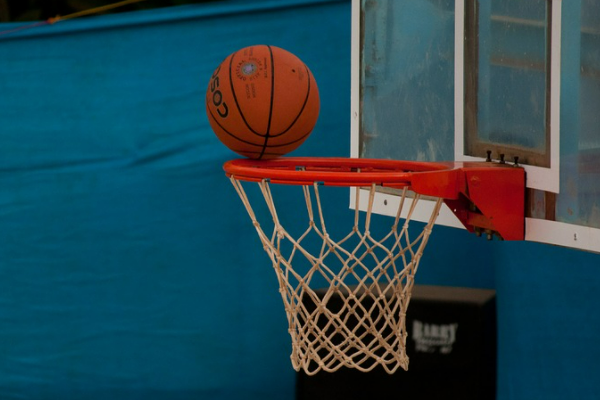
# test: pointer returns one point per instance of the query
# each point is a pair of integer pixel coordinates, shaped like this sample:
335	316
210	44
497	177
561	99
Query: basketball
262	102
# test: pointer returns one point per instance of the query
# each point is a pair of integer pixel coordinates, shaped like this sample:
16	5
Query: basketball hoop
373	277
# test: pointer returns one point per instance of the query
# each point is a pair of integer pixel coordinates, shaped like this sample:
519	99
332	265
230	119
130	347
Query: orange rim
330	171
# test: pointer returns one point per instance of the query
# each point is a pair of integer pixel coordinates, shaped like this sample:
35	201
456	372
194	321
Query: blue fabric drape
128	268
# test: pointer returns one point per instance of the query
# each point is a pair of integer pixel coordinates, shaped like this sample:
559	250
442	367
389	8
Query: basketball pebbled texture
262	102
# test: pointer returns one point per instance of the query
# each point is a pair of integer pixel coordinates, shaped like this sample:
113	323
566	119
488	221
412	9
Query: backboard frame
546	179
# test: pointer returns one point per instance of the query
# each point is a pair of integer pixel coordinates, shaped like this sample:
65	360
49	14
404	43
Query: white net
346	299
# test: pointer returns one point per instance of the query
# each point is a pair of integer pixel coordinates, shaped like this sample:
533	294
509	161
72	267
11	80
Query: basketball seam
301	109
227	132
254	144
272	102
235	96
270	153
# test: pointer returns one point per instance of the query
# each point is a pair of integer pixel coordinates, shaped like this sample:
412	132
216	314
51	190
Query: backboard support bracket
489	198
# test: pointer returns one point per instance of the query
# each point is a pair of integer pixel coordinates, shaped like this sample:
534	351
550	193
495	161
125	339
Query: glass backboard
463	80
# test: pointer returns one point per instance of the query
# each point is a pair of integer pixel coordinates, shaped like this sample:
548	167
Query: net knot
280	232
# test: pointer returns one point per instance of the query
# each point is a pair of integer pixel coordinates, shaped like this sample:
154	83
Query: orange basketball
262	102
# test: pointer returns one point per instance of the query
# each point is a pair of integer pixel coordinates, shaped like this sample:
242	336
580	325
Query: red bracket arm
485	197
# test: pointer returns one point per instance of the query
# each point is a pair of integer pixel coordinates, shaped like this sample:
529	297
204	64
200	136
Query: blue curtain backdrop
128	266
